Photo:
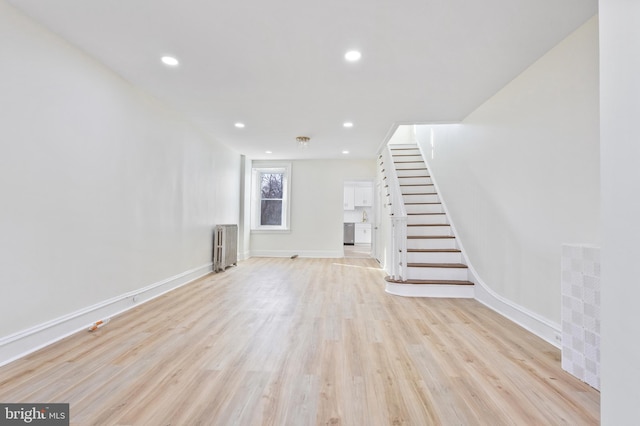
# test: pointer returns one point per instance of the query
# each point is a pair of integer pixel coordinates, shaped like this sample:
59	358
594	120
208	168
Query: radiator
225	247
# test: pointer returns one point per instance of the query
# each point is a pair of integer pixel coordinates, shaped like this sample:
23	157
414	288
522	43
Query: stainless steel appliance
349	233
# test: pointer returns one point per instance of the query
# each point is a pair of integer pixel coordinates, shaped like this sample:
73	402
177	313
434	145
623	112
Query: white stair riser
423	208
437	257
402	146
414	180
432	243
412	173
412	167
427	290
426	218
407	156
417	189
424	231
413	198
437	273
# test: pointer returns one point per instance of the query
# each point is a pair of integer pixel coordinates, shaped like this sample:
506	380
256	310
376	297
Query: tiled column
581	312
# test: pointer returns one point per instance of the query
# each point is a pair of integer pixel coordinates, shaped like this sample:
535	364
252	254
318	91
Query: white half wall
520	175
620	162
105	191
317	200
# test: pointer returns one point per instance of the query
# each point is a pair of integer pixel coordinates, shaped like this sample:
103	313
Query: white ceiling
278	65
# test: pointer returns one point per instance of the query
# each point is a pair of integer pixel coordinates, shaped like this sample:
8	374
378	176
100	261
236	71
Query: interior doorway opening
359	218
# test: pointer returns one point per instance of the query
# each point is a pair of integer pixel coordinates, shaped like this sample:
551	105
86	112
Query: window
270	197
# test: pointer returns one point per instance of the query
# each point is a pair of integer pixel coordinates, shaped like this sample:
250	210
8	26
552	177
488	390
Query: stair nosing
437	265
434	251
428	282
419	204
429	237
420	193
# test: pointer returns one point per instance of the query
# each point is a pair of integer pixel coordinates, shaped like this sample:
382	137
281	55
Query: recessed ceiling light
170	60
347	124
345	152
352	56
239	125
268	152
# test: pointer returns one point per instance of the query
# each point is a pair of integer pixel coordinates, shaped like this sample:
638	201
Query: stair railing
398	220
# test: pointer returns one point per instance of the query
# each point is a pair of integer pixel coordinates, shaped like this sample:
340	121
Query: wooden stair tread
419	204
434	251
428	224
421	168
418	214
417	184
437	265
428	282
420	193
428	237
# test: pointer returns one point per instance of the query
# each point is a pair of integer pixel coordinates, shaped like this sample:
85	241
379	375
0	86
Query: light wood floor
303	342
357	251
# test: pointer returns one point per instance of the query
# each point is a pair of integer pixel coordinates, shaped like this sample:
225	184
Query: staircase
434	263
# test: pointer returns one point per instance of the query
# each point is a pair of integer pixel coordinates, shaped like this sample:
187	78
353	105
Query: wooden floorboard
303	342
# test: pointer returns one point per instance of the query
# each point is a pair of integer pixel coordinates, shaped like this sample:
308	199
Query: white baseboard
301	253
30	340
530	321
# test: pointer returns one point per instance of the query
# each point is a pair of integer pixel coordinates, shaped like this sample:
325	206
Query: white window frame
256	171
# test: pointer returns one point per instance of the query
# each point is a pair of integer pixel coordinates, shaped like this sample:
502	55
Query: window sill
271	231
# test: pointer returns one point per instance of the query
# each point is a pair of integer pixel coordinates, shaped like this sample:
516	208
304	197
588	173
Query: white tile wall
581	312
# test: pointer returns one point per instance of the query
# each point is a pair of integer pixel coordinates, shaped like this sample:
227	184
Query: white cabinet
363	196
357	194
363	233
349	200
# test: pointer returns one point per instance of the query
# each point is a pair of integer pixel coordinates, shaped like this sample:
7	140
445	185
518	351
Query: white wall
317	195
520	175
620	163
104	190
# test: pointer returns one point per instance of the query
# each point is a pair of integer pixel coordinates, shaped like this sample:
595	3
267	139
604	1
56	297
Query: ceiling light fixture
353	56
170	60
303	141
268	152
239	125
345	152
348	124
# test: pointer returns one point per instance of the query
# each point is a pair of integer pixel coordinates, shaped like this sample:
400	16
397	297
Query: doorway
359	218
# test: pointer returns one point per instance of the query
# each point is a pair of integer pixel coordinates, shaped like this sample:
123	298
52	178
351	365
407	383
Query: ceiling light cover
345	152
239	125
348	124
303	141
170	60
352	56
